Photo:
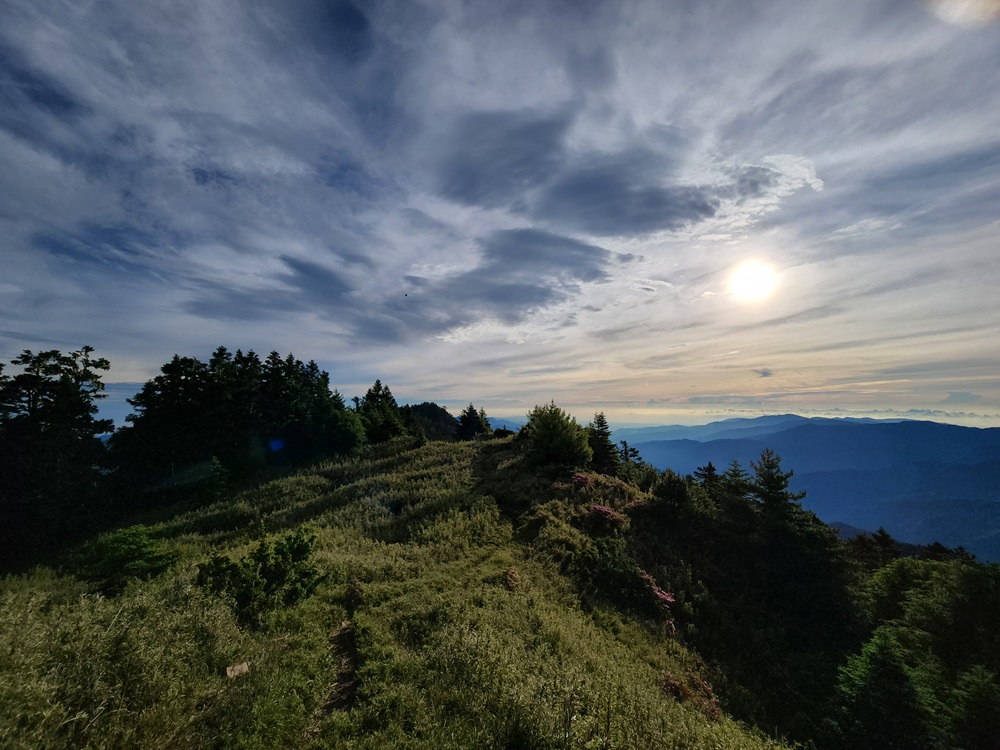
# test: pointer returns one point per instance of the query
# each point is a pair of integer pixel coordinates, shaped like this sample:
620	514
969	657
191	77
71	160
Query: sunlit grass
435	628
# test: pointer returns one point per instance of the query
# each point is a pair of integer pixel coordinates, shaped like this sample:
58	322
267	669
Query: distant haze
922	481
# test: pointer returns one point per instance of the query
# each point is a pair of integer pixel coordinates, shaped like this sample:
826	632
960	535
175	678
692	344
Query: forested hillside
923	481
256	561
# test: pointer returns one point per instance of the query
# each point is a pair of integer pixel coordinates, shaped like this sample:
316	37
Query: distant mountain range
922	481
511	423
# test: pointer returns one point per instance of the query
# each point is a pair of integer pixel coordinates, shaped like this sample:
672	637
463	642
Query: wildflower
604	518
663	598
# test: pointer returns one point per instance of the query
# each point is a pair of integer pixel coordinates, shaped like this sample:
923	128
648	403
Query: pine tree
472	423
735	480
886	547
50	452
770	483
380	414
707	475
555	439
605	456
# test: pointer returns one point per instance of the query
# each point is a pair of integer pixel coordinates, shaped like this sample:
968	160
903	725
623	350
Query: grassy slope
435	628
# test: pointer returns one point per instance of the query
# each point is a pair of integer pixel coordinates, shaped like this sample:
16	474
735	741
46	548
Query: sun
752	281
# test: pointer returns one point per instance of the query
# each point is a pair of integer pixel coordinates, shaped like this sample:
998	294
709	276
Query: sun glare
752	281
966	12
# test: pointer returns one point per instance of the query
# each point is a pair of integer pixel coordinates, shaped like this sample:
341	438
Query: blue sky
510	202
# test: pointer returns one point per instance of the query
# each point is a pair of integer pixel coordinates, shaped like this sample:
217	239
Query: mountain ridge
923	481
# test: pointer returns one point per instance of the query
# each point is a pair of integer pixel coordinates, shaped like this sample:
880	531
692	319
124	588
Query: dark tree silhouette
707	475
50	452
380	414
606	459
770	483
472	423
432	420
245	413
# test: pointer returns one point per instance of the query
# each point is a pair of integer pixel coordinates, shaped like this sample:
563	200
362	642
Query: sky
515	202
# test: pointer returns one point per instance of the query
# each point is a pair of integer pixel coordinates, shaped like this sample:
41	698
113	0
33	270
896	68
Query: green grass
434	628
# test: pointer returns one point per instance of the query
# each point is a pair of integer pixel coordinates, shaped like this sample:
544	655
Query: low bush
121	556
268	578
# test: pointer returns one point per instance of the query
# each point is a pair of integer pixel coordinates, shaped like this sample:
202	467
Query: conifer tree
735	480
770	483
238	410
707	475
380	414
472	423
50	452
605	459
555	439
886	546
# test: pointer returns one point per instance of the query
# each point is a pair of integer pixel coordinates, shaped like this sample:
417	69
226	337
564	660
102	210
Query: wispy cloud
550	199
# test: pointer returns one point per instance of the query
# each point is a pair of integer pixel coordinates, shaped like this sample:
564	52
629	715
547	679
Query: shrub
604	520
268	578
121	556
692	689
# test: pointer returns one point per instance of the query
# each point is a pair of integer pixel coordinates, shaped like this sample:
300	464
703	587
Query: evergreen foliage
770	483
122	556
882	706
434	421
380	414
472	423
707	475
244	412
633	469
605	458
51	457
555	439
269	577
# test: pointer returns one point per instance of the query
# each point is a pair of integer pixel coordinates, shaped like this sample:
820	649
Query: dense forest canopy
842	644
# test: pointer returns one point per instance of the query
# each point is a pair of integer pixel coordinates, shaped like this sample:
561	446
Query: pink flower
663	598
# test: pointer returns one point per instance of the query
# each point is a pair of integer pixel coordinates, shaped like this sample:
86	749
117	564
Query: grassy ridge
435	628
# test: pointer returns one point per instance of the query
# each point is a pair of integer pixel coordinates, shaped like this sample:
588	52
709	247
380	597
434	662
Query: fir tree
50	452
380	414
770	483
472	423
606	459
555	439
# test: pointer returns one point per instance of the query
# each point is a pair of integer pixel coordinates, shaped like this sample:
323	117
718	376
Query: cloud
520	271
339	28
493	158
396	187
962	397
764	372
23	89
605	199
809	315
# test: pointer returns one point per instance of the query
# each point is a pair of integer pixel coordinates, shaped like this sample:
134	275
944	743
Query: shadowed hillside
923	481
432	627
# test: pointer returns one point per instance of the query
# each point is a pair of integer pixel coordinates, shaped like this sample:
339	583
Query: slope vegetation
441	615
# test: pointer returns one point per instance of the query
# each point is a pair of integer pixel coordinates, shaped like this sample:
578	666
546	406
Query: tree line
196	425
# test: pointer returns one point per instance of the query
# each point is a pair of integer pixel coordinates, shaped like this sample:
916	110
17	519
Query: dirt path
343	688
